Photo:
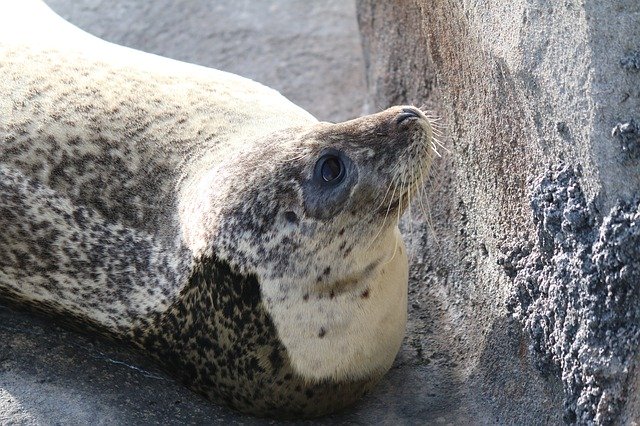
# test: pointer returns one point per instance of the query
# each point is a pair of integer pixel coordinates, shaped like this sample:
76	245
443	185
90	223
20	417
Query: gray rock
576	294
534	267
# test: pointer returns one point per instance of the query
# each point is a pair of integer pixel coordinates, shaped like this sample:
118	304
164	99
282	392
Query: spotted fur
175	207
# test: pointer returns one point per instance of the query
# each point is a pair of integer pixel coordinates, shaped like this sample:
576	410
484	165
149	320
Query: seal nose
408	113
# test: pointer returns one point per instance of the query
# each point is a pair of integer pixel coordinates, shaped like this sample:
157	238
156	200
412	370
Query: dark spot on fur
305	297
327	270
347	251
332	294
341	233
291	217
365	294
322	332
276	359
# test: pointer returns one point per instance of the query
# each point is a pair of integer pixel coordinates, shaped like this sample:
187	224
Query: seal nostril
407	114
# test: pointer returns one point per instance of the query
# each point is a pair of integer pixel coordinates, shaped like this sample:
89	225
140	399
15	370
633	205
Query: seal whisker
384	220
382	201
297	157
425	211
395	240
437	143
421	186
409	191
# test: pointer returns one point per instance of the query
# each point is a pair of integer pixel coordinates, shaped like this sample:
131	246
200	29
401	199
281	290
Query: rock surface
534	210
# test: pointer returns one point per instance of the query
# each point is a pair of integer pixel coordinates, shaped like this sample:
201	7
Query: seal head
311	212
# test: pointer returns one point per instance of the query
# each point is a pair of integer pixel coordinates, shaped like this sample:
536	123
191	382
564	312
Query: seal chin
350	334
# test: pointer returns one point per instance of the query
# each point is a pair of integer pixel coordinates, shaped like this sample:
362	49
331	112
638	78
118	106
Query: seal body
251	250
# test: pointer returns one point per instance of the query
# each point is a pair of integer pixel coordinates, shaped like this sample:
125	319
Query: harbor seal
250	249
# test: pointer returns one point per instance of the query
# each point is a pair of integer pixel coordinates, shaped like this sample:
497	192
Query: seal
251	250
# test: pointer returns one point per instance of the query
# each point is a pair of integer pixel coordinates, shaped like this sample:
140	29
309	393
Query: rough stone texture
629	136
577	295
631	62
532	267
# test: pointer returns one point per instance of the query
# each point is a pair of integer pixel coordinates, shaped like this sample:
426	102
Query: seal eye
331	169
330	185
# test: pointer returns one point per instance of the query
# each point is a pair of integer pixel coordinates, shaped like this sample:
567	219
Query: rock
531	256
